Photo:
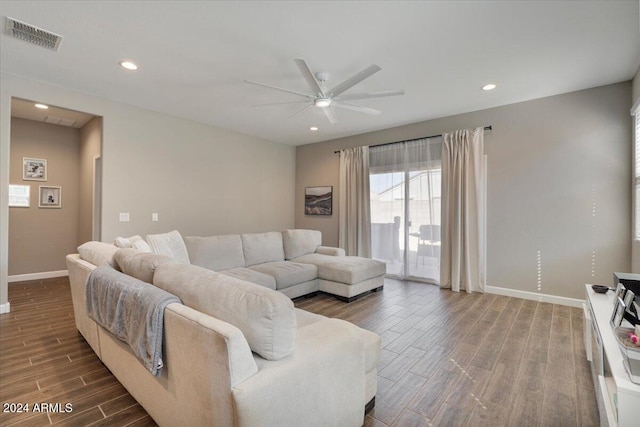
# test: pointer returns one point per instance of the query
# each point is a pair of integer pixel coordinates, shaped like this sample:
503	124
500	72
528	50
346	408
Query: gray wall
90	147
201	180
551	162
635	88
40	238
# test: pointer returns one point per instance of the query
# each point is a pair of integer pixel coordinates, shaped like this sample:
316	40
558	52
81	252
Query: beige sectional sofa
238	353
293	262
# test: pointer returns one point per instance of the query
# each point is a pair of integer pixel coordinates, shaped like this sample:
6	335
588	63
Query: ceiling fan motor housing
322	76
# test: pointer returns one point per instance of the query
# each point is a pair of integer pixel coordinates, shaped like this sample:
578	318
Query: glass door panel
387	220
405	180
424	234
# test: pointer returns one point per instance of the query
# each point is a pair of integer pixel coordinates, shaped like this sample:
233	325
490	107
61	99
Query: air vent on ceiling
31	34
59	121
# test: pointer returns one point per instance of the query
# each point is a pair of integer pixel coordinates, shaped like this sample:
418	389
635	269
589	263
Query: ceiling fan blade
280	103
300	111
280	89
328	111
308	76
358	108
355	96
354	80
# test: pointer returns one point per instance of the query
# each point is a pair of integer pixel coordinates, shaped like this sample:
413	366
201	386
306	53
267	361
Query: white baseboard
37	276
553	299
5	308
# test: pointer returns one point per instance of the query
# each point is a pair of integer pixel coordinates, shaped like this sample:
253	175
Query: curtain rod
409	140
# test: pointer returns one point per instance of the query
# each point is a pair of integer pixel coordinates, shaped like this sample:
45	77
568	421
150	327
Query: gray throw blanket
130	309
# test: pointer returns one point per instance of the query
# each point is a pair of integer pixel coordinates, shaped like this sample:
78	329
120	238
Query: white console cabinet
618	398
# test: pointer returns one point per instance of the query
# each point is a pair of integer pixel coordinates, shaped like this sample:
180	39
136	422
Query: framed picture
618	312
34	169
318	200
19	196
50	197
620	290
629	297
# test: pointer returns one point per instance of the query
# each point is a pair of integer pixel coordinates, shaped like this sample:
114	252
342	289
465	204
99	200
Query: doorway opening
55	158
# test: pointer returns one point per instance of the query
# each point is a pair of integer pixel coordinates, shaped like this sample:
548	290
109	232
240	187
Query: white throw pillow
170	244
140	244
122	242
135	242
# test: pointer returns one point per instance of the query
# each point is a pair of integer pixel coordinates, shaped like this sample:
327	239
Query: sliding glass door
405	181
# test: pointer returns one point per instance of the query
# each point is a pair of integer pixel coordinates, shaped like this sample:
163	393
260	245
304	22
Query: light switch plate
124	216
154	216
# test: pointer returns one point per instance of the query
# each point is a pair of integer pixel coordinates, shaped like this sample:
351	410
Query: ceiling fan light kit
326	99
322	102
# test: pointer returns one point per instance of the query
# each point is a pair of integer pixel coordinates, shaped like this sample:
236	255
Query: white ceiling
54	115
194	56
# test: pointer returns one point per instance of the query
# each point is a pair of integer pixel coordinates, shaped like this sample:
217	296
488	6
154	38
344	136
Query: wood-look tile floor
44	360
447	359
458	359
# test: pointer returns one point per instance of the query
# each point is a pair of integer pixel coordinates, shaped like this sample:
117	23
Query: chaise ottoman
346	277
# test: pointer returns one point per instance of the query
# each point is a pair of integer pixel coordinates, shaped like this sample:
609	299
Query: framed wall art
19	196
50	197
618	312
318	200
34	169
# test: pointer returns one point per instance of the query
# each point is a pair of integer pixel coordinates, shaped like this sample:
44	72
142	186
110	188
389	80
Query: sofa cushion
141	265
288	273
328	250
304	318
98	253
216	253
300	242
371	349
252	276
262	247
371	340
347	269
170	244
266	317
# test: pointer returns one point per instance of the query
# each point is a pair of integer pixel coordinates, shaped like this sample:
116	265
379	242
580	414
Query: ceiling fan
327	99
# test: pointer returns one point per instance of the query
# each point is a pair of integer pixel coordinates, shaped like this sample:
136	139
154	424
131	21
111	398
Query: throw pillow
170	244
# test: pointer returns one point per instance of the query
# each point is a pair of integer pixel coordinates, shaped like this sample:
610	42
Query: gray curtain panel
355	210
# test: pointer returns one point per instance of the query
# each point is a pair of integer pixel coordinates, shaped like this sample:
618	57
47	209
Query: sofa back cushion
300	242
216	252
98	253
266	317
141	265
262	247
169	244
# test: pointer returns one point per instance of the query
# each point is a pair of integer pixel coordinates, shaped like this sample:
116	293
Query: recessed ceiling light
128	65
489	86
313	128
42	106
